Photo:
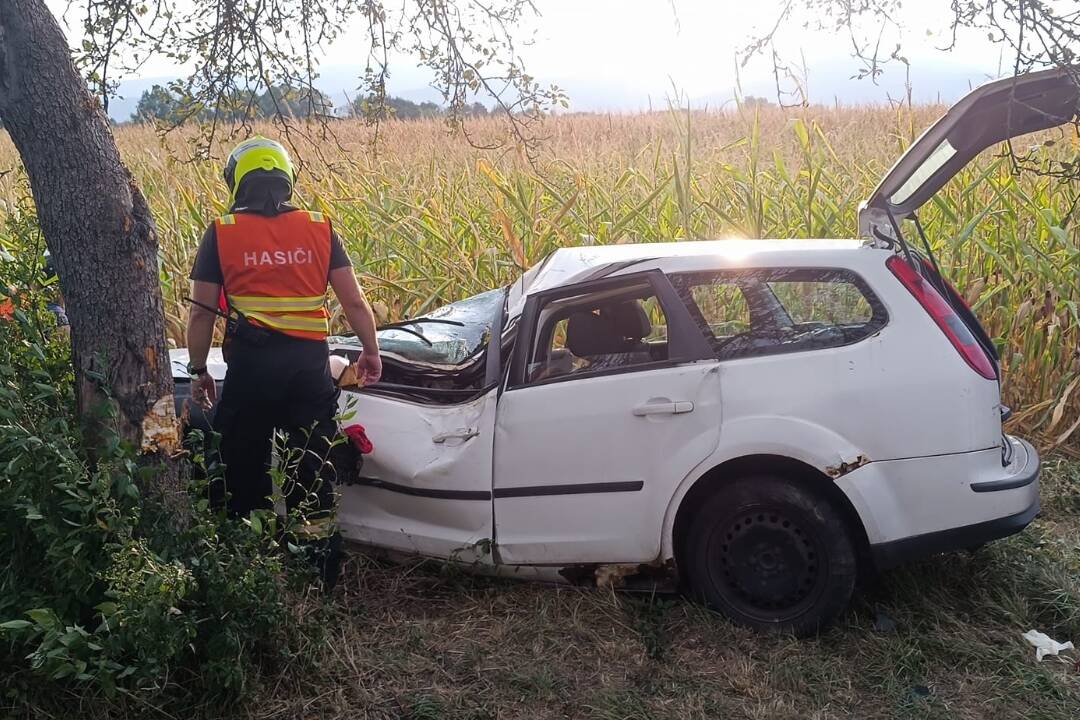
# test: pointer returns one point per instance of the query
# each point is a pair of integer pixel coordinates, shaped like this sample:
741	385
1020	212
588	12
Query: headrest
615	328
629	318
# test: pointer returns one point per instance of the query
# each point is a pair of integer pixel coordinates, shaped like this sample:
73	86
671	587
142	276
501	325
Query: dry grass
432	643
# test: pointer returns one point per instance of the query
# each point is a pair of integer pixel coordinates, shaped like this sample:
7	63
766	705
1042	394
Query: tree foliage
245	48
157	103
169	106
166	105
402	109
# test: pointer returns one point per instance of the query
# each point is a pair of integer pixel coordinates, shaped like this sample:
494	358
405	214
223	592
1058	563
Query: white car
761	419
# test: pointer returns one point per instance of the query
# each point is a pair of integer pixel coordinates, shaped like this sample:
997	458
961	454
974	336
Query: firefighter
274	263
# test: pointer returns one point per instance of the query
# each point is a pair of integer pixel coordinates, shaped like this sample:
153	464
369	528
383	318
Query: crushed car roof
576	264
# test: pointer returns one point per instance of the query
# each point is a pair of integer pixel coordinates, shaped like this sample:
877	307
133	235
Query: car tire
771	554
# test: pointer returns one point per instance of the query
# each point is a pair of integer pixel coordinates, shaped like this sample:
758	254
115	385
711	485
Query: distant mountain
827	82
837	82
122	107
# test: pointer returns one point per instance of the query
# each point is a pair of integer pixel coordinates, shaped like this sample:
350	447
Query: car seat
610	336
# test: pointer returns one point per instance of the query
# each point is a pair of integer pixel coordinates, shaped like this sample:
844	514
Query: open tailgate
990	114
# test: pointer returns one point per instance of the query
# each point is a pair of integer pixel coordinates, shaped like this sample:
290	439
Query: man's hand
362	321
368	368
204	391
200	332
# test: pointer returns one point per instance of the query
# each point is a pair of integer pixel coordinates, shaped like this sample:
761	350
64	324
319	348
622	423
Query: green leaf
107	609
65	670
16	625
44	617
70	638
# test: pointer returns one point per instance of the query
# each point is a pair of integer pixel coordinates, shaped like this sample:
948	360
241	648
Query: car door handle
460	434
664	408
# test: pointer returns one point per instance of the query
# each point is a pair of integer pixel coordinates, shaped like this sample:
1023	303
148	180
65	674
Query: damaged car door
613	397
426	487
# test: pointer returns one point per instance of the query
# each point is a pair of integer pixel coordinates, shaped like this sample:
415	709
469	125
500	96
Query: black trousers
281	385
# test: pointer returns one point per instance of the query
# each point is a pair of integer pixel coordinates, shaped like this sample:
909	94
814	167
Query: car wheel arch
729	471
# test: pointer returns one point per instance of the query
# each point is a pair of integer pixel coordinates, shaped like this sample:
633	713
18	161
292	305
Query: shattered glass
766	311
450	335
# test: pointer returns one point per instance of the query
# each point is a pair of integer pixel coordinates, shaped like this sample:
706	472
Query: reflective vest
276	268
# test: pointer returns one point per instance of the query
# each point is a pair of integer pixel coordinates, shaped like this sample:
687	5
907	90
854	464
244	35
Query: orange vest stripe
245	303
290	323
276	269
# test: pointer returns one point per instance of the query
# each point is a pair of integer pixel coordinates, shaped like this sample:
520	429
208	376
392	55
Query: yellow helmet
256	153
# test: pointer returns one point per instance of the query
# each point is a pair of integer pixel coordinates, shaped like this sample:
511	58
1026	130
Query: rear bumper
1029	468
898	552
921	506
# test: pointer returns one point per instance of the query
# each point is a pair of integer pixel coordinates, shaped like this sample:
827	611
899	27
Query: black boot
327	556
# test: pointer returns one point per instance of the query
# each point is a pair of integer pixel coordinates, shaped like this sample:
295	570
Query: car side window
825	302
723	307
612	330
776	310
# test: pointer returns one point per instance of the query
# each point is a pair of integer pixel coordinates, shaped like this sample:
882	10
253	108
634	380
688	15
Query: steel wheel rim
766	564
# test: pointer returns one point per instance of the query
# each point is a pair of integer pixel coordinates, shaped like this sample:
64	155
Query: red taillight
945	317
928	268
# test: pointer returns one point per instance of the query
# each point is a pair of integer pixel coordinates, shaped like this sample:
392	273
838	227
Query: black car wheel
772	555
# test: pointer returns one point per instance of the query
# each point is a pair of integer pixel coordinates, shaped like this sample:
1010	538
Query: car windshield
450	335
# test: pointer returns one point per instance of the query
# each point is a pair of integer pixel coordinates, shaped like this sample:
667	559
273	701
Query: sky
643	48
628	55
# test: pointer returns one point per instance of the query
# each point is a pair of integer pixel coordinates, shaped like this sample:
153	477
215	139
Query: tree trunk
99	230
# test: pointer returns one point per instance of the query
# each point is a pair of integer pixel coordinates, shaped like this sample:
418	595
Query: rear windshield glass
766	311
934	162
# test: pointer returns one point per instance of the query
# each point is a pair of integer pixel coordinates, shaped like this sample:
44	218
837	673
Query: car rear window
832	302
723	306
767	311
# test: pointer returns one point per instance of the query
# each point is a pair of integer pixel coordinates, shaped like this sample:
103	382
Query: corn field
428	218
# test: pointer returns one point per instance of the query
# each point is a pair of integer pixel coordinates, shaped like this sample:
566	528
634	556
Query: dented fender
847	464
784	436
426	486
416	444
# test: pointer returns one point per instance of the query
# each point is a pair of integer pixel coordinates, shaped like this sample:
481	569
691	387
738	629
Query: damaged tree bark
99	230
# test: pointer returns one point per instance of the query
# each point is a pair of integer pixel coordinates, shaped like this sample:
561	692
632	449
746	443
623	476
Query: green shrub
98	587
